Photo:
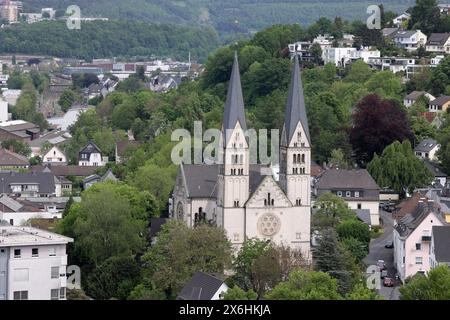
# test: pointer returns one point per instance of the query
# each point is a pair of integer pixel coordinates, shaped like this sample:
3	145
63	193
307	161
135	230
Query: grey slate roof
45	180
295	107
202	286
388	31
156	225
438	39
426	145
415	95
440	101
441	239
363	215
234	106
411	221
402	34
10	203
347	179
91	147
434	168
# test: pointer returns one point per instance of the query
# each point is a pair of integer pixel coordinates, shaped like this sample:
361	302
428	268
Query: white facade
365	54
399	20
21	218
409	102
55	157
372	206
410	43
340	57
95	160
33	264
3	111
3	78
11	96
412	253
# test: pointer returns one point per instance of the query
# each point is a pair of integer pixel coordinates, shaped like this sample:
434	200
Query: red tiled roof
429	116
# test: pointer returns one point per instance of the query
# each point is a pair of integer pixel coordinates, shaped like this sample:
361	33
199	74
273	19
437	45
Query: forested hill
108	39
226	16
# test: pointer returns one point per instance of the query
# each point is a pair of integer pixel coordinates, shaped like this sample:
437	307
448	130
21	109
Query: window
339	193
62	293
419	260
356	194
54	294
348	194
11	222
20	295
52	252
298	235
35	252
17	253
55	273
359	206
418	246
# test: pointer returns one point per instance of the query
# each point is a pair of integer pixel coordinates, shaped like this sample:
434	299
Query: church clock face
269	225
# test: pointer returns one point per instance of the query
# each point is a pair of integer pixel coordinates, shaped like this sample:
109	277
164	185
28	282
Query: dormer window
339	193
348	194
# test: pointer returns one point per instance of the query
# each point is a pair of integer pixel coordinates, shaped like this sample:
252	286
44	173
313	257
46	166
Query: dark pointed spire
234	107
295	107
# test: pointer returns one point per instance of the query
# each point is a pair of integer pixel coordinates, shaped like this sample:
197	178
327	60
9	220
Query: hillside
226	16
108	39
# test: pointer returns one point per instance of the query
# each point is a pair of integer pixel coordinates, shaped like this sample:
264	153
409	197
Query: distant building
4	117
410	40
439	104
91	156
10	160
34	184
427	149
11	96
122	147
9	11
401	19
356	187
33	264
302	49
203	286
18	130
411	98
55	156
95	178
340	57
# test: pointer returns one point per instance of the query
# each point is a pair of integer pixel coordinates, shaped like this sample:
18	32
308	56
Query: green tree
399	169
354	228
17	146
306	286
338	159
424	16
236	293
360	292
331	210
434	286
180	252
67	99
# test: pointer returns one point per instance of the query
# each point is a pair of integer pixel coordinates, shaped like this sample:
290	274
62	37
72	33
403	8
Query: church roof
295	108
234	106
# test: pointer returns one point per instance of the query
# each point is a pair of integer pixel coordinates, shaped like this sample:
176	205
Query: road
377	251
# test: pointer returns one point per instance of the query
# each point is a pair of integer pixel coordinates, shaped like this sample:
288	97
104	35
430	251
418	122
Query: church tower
233	180
295	147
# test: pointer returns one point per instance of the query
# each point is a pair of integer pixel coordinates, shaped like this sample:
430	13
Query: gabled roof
407	206
441	240
65	171
10	203
410	222
438	38
122	146
295	107
434	168
403	33
108	176
202	286
440	101
45	180
415	95
201	180
9	158
347	179
388	31
426	145
234	106
91	147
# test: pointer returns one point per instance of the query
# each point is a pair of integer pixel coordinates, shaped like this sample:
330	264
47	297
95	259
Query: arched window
303	158
180	211
295	158
241	159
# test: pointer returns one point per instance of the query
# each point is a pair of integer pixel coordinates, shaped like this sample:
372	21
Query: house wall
55	157
222	290
399	254
372	206
20	218
39	281
95	160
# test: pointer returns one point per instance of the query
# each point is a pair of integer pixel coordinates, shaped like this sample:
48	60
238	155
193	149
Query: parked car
384	274
381	265
389	245
388	282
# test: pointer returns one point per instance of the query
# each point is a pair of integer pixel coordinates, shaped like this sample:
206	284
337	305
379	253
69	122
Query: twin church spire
295	107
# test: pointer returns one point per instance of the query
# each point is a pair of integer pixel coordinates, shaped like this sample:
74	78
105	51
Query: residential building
123	148
440	104
440	249
34	184
438	42
364	54
444	8
434	118
203	286
356	187
55	156
245	199
325	42
95	178
340	57
9	11
10	160
91	156
427	149
440	178
411	98
18	130
302	49
400	20
33	264
19	212
412	239
4	116
386	32
54	138
410	40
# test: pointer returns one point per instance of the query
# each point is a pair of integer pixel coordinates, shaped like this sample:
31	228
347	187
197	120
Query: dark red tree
376	124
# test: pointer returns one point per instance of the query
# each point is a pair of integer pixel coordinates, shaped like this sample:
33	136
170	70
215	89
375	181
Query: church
247	200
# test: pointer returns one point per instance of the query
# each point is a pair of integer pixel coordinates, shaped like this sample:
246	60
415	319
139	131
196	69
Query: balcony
426	238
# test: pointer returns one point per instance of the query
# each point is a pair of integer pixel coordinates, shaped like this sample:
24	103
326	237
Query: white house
399	20
55	157
409	39
411	98
427	149
33	264
3	111
365	54
91	156
412	239
438	42
340	57
356	187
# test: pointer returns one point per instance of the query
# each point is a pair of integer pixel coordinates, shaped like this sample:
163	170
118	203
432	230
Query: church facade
245	199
